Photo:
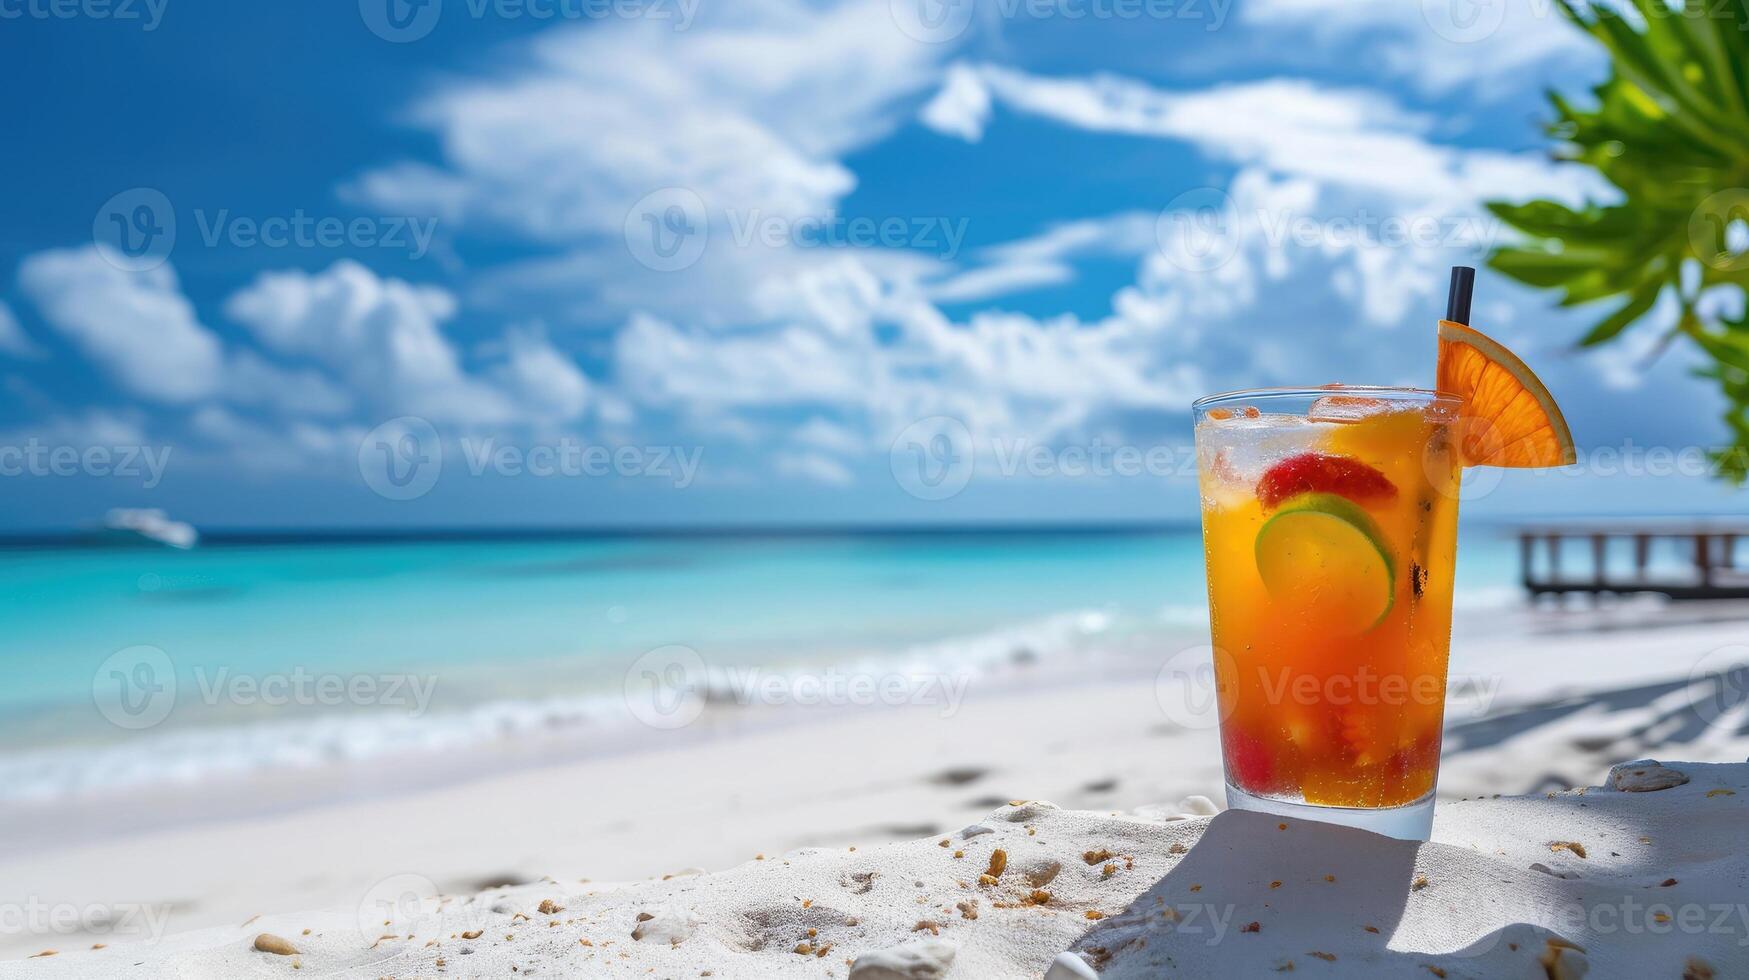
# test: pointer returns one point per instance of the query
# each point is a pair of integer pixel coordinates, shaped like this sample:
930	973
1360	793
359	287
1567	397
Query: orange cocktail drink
1329	527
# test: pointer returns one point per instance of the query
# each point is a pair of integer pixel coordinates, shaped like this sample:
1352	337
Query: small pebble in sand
1039	897
1198	806
1042	872
1108	871
1720	792
1567	845
1563	960
472	934
547	907
267	942
1420	883
1645	776
959	854
1330	878
1177	849
1094	914
933	928
1698	969
1275	884
1094	857
968	910
927	959
1667	882
998	863
46	952
1373	929
1070	966
1251	927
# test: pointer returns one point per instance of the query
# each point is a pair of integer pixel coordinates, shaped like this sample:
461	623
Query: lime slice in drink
1323	557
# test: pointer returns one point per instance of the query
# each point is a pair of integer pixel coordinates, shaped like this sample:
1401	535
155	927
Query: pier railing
1679	559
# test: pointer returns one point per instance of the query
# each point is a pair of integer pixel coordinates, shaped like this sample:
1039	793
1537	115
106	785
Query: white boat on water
148	525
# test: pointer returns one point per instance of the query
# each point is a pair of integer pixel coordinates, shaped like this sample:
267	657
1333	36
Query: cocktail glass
1329	522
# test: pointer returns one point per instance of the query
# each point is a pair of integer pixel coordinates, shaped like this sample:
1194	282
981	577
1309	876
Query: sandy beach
1552	707
1639	875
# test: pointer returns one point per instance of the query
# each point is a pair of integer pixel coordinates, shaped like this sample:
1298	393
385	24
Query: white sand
1567	706
1659	890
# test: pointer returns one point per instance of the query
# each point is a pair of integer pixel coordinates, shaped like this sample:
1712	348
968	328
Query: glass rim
1401	392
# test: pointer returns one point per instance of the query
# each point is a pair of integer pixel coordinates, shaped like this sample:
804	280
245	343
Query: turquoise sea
483	637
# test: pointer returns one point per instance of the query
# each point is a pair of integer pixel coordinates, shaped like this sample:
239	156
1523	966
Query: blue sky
783	241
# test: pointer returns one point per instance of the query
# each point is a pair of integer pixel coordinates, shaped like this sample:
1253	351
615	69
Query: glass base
1411	822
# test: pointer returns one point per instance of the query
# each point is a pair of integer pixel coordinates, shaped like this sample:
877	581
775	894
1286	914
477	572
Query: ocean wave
191	753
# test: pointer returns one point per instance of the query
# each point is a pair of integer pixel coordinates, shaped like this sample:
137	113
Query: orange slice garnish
1509	417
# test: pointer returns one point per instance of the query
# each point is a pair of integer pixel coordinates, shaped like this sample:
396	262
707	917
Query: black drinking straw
1457	302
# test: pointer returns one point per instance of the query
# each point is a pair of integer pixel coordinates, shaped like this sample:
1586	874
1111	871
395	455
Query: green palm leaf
1670	130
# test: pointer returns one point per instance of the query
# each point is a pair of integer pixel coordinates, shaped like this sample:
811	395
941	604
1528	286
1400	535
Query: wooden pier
1701	559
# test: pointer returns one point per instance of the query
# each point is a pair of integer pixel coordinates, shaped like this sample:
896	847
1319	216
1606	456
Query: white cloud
752	107
380	335
813	466
821	433
13	339
1043	259
137	326
961	108
1437	45
1347	137
546	383
252	380
82	430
